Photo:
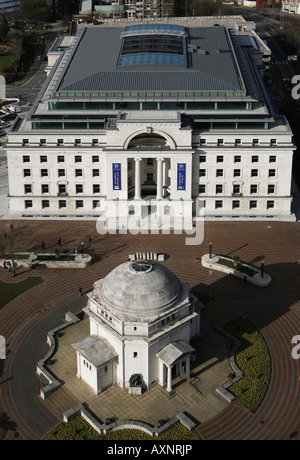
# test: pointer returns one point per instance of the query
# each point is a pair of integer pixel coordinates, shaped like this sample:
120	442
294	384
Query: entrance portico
174	359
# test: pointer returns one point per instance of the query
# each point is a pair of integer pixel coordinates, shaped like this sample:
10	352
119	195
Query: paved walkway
274	309
198	397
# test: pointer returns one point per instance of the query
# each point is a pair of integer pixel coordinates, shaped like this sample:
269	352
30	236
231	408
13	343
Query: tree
237	260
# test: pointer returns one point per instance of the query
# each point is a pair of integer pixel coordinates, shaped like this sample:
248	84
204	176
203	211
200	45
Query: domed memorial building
142	318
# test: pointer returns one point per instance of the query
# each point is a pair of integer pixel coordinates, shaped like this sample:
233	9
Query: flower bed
241	266
238	269
79	429
253	359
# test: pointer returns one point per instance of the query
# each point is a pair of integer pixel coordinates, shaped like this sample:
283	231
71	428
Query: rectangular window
27	188
43	159
42	141
238	141
270	204
202	172
45	204
271	189
26	158
220	141
273	141
254	172
77	141
202	188
272	159
202	158
236	173
254	158
96	172
219	173
79	188
96	188
235	204
220	158
28	204
202	141
60	159
272	172
78	172
45	188
236	189
26	172
95	204
78	158
61	188
253	204
237	158
60	141
253	188
62	204
95	141
135	354
149	161
79	204
219	189
61	172
25	141
95	158
255	141
218	204
44	172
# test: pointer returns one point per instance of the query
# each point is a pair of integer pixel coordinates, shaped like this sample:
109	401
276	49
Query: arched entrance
147	140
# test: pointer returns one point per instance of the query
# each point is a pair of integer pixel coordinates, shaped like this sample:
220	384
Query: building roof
96	350
174	351
153	57
140	290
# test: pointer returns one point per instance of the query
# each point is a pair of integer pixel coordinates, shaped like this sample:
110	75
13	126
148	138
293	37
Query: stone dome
140	289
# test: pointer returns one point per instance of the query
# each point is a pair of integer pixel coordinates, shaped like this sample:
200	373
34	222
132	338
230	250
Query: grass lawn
9	292
5	63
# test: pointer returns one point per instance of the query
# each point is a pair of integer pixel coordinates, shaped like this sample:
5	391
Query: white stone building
153	117
290	6
142	319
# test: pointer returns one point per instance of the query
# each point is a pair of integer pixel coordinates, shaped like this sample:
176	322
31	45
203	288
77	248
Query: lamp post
262	269
210	248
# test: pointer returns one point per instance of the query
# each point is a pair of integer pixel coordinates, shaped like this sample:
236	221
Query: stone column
169	379
188	368
138	195
159	192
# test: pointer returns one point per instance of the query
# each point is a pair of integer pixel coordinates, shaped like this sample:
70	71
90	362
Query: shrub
253	359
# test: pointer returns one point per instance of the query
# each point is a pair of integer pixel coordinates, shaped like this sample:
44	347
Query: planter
32	260
213	263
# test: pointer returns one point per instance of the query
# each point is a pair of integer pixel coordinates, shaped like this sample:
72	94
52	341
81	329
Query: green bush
253	359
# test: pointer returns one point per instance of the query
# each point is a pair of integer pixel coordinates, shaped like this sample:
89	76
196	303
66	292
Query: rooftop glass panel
152	59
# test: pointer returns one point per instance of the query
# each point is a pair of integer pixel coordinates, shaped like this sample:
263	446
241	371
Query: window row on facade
236	158
236	204
218	204
60	173
60	204
237	172
61	188
237	142
61	158
58	142
237	189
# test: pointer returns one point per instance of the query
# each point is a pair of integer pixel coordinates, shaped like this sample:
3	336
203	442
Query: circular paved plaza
275	310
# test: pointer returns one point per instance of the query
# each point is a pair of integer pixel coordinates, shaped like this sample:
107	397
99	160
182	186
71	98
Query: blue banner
116	170
181	167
